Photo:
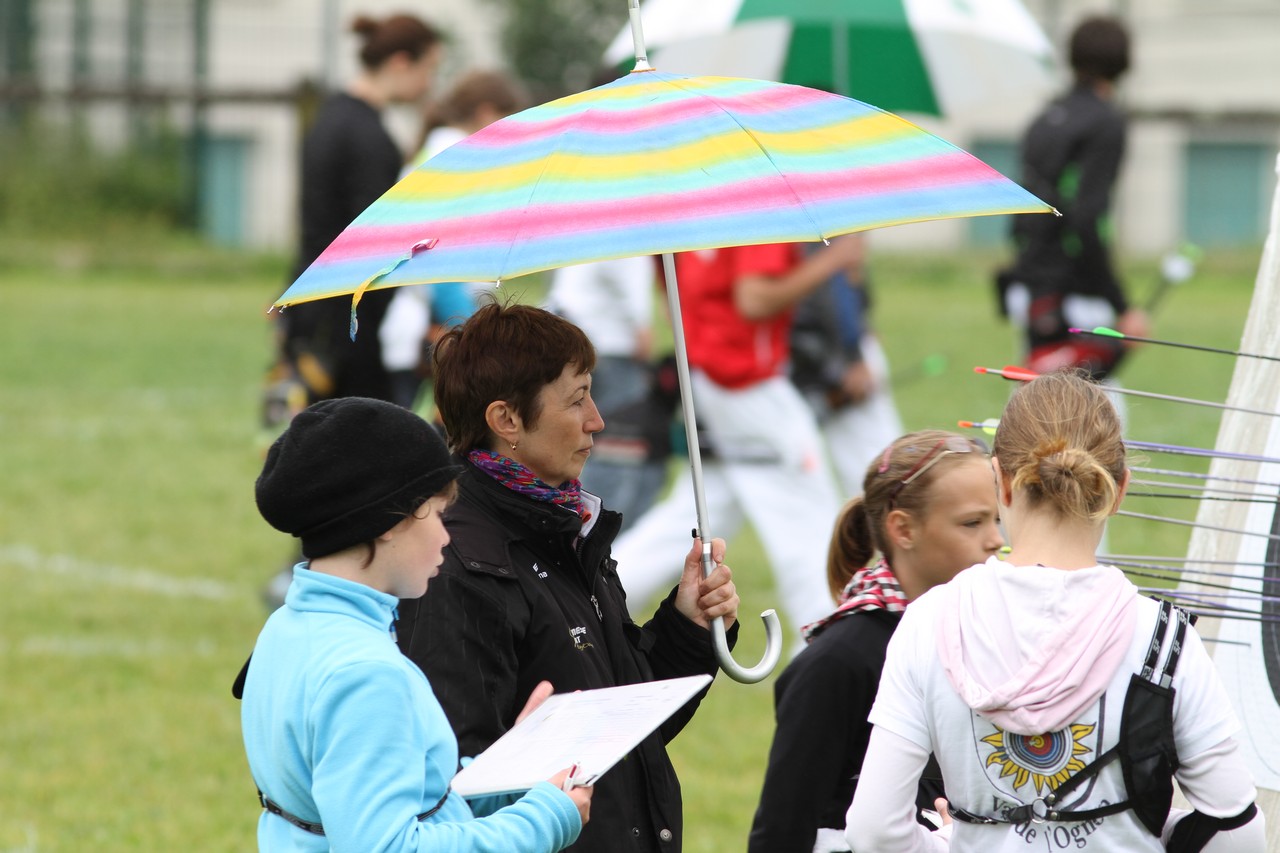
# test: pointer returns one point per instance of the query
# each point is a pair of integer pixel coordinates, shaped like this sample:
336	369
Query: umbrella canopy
936	57
656	163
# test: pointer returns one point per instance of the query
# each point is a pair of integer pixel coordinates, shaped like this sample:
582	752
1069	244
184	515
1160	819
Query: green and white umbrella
937	57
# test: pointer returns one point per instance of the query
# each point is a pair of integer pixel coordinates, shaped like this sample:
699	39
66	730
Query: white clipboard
592	729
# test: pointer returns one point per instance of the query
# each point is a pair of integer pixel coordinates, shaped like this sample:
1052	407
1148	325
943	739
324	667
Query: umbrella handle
724	657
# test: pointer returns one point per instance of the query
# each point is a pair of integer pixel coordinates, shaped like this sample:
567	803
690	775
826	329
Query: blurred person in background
348	161
419	314
839	366
765	460
1064	274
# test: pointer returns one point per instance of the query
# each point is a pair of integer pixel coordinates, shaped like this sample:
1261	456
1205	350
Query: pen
570	780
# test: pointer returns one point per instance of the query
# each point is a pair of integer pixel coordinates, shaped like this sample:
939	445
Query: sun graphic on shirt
1045	760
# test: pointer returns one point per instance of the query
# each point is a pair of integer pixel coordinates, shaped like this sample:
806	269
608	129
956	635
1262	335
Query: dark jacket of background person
348	161
1071	157
828	689
494	626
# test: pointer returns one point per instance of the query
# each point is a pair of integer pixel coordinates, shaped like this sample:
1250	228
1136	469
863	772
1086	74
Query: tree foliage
556	46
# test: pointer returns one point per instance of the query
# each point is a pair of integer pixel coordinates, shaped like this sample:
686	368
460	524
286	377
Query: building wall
282	43
1204	74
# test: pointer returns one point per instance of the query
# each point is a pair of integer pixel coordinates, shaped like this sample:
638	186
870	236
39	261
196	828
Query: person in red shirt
762	450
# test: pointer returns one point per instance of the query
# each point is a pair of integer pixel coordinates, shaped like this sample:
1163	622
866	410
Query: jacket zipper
595	602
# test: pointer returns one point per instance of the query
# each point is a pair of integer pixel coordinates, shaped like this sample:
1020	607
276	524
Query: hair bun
1074	478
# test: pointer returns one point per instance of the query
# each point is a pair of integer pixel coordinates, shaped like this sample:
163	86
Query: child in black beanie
346	741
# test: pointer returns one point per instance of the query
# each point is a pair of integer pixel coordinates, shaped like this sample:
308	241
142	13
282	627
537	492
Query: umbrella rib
546	165
764	151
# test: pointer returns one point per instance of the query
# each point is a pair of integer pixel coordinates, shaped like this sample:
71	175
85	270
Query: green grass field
133	557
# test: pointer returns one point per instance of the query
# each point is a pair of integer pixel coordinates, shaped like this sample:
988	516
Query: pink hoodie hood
1030	648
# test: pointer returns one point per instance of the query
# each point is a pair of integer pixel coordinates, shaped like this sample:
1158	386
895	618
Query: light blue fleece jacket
340	728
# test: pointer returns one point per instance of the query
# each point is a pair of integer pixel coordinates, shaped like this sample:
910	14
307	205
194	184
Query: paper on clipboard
593	729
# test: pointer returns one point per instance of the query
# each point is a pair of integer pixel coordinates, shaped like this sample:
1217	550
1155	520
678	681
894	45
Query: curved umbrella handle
724	657
772	650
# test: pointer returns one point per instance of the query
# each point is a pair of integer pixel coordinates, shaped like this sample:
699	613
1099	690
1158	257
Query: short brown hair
859	530
502	352
1059	439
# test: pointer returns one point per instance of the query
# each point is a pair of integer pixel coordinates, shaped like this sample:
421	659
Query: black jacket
348	161
520	599
821	702
1071	156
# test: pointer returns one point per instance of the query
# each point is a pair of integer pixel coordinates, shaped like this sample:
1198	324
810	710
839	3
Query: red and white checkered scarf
872	588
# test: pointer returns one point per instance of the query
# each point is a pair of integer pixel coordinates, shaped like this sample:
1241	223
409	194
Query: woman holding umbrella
528	590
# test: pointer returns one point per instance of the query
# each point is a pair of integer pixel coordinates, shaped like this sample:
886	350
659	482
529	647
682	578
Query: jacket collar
527	513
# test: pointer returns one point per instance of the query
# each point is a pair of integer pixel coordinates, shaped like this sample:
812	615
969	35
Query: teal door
1228	185
224	164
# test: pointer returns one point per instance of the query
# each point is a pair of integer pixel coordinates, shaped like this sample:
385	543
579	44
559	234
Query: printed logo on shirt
1024	768
539	572
579	637
1042	762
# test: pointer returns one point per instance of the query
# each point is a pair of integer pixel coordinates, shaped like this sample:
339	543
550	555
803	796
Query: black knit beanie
348	470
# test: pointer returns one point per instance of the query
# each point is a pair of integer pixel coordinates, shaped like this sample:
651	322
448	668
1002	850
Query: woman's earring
513	447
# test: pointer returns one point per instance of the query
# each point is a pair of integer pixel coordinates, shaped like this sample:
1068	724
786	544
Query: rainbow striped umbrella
653	163
650	164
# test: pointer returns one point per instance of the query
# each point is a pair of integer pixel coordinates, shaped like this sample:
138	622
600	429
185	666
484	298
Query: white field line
100	646
90	575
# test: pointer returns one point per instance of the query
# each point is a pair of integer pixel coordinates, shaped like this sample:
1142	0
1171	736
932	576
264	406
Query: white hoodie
1015	677
1031	647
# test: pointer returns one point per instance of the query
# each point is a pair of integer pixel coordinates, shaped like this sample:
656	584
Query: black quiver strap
1147	754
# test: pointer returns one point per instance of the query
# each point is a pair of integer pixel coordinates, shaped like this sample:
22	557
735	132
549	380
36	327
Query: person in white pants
766	462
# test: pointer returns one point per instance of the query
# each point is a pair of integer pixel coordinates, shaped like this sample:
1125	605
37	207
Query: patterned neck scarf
872	588
518	478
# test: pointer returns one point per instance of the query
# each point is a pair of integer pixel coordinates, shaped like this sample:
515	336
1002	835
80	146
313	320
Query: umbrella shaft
637	37
686	404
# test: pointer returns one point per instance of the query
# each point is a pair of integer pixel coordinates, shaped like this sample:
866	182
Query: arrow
1021	374
1204	490
988	426
1173	573
1195	476
1180	450
1009	371
1185	523
1116	558
1104	332
1201	497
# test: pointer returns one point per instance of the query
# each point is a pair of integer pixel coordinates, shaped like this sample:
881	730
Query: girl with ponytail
928	510
1059	703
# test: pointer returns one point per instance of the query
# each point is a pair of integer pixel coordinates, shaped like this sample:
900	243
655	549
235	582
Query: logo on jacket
539	572
579	637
